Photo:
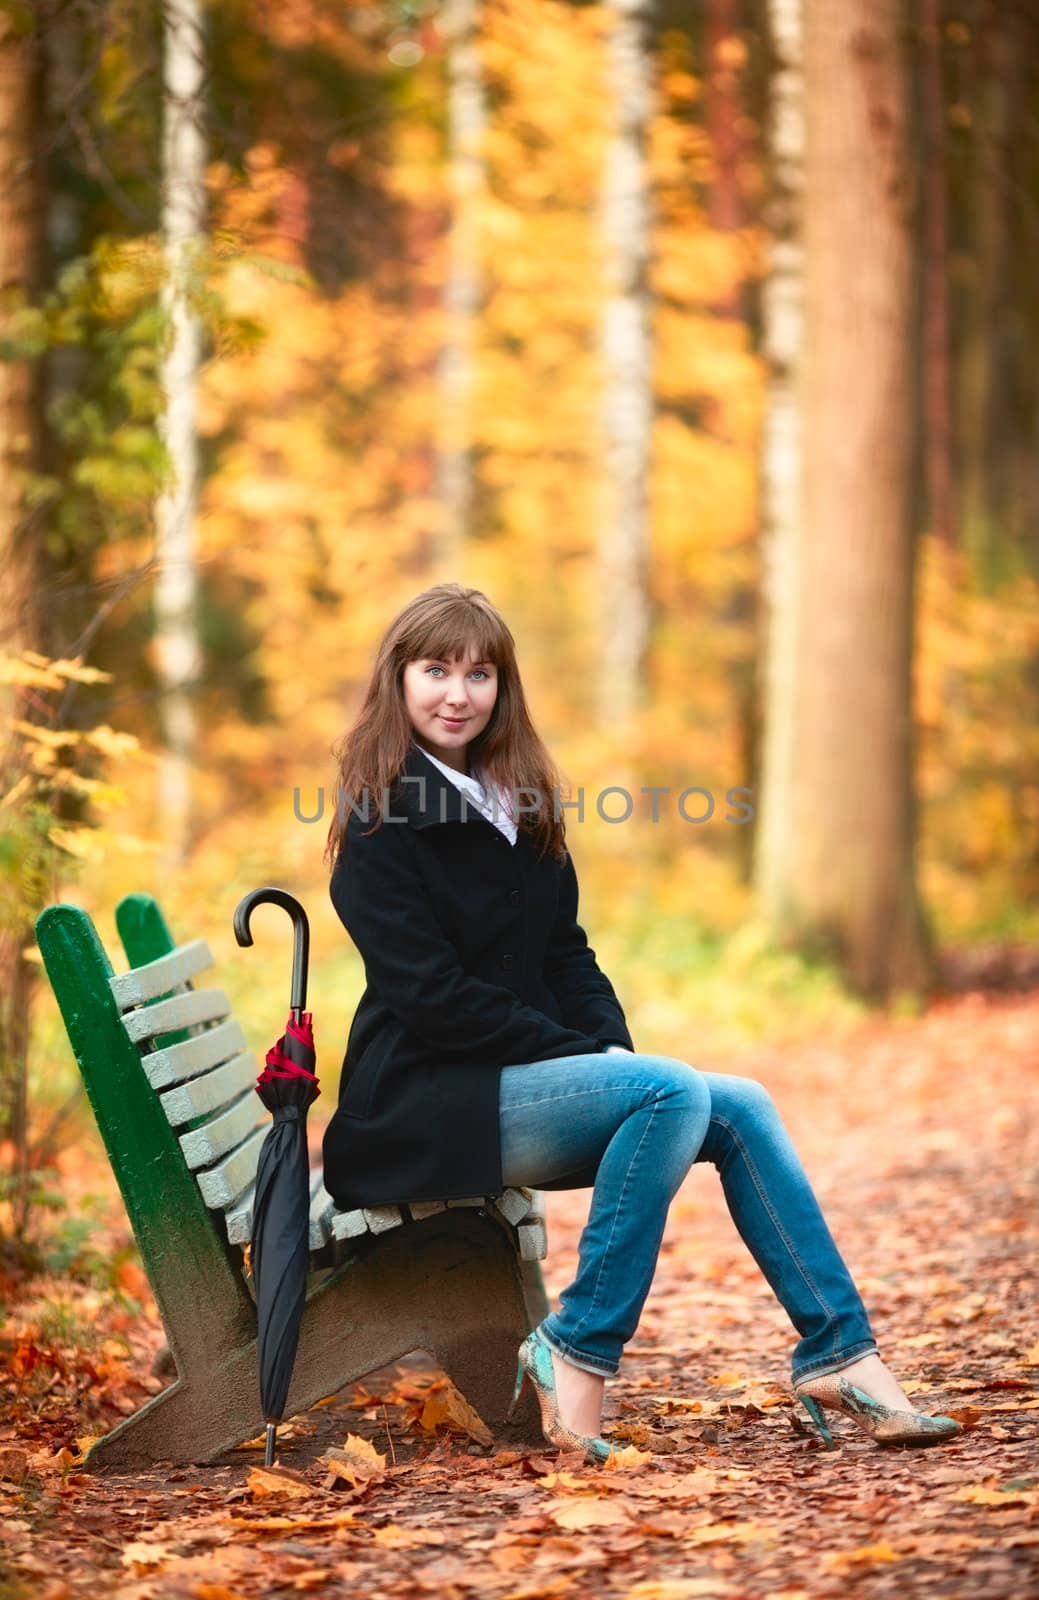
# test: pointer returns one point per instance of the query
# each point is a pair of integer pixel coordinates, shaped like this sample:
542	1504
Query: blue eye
482	671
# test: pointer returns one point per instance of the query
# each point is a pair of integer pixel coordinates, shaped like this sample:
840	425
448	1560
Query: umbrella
281	1206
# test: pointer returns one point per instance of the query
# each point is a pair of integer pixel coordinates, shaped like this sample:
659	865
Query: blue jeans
630	1127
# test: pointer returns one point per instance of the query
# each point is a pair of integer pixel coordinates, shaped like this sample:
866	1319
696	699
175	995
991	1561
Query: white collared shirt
480	799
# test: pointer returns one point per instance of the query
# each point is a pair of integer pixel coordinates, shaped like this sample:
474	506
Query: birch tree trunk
176	621
783	342
853	885
623	615
462	287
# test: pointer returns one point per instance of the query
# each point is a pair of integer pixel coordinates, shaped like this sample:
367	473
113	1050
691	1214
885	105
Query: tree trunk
853	890
21	238
783	342
936	386
623	615
462	287
176	620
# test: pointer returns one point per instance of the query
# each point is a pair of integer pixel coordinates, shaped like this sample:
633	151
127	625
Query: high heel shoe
882	1423
535	1363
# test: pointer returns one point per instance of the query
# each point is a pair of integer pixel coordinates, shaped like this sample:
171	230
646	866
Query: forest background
701	338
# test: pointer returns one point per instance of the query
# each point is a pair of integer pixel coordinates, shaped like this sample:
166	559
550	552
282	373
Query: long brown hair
443	623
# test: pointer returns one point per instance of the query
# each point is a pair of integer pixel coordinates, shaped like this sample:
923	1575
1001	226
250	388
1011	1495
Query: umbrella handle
301	942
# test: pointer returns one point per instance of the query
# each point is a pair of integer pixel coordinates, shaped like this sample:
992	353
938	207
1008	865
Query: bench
170	1080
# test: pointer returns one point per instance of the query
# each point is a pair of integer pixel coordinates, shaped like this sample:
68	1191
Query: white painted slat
202	1146
178	1062
381	1219
141	984
322	1207
532	1239
223	1184
182	1011
239	1218
210	1091
514	1204
348	1224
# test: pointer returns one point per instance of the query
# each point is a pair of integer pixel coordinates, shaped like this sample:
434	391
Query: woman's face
449	703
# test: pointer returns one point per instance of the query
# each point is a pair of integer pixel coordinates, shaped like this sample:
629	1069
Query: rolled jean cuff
854	1352
578	1358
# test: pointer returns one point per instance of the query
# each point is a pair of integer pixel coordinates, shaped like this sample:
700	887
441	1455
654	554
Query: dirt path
923	1142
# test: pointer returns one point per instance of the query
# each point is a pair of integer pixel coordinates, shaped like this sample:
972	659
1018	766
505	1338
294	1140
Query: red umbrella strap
303	1030
279	1066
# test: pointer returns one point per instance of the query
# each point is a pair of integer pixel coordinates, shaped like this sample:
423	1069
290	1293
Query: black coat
474	960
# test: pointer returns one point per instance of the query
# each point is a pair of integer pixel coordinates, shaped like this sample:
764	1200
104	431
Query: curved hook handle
301	942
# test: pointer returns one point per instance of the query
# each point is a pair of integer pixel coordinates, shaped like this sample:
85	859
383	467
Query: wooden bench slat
322	1209
240	1218
222	1185
141	984
182	1011
216	1138
210	1091
178	1062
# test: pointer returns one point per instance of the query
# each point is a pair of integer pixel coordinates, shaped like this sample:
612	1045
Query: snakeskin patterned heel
883	1424
535	1364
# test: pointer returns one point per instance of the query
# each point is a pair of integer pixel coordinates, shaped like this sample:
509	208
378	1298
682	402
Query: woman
477	1058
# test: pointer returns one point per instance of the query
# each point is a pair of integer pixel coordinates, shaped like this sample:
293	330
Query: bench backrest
200	1285
193	1064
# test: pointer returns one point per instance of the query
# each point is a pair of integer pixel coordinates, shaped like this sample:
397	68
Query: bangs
470	635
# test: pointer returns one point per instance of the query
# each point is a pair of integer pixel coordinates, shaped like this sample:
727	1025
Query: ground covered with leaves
922	1137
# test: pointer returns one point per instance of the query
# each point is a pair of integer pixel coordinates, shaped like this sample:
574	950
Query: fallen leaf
589	1514
718	1532
864	1555
678	1589
980	1494
357	1462
14	1464
394	1537
141	1554
448	1406
268	1483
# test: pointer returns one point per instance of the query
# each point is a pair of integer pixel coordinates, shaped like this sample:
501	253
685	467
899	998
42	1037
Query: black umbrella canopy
281	1205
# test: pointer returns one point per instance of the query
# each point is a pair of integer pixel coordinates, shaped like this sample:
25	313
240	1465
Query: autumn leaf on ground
576	1514
143	1555
394	1537
627	1459
568	1482
678	1589
719	1532
14	1464
268	1483
448	1406
357	1463
984	1494
865	1555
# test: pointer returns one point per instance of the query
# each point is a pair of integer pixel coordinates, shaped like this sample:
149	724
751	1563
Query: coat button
507	961
514	897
